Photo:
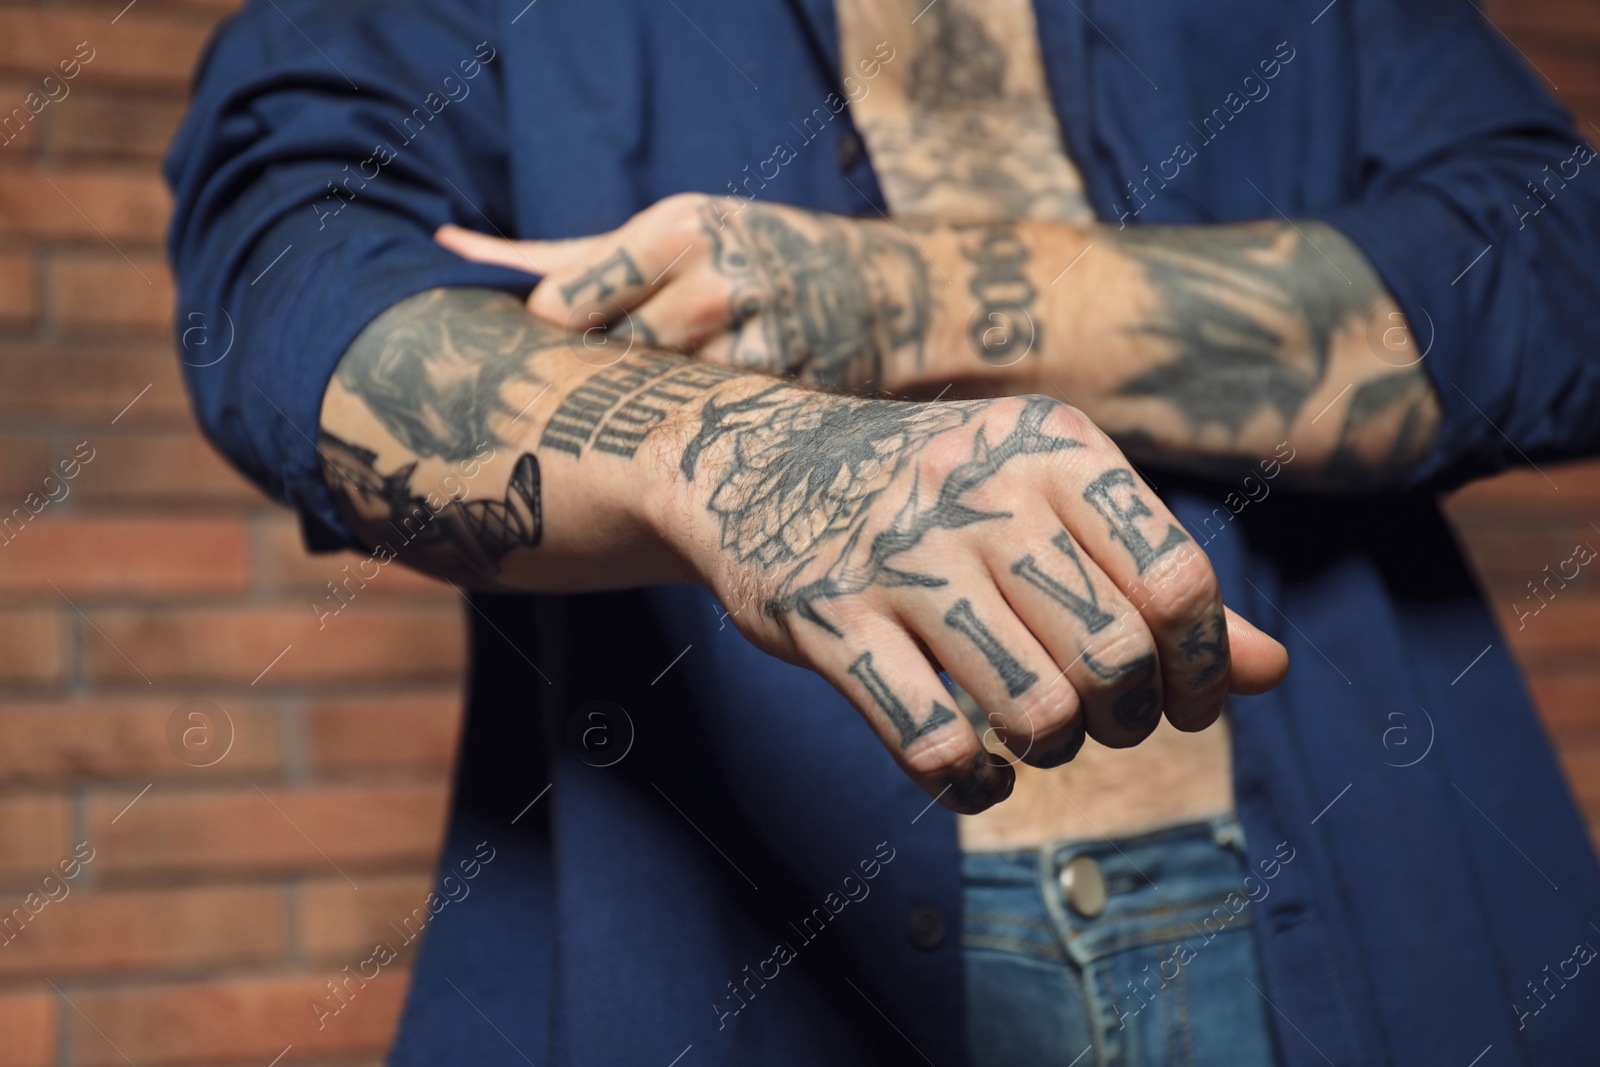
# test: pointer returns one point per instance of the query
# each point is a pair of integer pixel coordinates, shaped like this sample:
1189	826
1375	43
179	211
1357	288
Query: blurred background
260	785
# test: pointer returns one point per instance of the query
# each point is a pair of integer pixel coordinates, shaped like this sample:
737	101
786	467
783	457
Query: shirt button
849	150
1084	886
925	928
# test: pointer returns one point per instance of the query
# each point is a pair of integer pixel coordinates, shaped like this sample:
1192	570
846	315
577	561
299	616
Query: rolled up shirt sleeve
1480	210
308	180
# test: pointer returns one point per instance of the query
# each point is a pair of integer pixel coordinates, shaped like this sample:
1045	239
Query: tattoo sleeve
1259	327
433	460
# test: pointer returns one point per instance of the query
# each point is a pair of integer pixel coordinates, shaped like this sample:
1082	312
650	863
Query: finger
1107	653
987	650
618	271
534	257
1132	536
1259	661
881	671
685	314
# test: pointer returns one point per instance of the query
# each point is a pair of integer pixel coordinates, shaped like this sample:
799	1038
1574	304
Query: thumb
1259	662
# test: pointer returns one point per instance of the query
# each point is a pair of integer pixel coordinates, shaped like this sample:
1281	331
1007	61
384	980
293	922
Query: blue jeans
1160	972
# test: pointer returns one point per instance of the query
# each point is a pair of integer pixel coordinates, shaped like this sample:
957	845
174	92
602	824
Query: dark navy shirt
1429	869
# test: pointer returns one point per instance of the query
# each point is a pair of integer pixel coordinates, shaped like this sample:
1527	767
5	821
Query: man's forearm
478	444
1197	347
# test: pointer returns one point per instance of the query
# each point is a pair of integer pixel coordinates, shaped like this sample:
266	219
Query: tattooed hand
838	302
1007	542
873	541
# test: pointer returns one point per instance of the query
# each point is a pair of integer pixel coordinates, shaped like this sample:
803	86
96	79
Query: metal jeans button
1084	886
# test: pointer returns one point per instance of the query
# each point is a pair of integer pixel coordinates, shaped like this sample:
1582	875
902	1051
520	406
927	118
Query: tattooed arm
873	541
1200	347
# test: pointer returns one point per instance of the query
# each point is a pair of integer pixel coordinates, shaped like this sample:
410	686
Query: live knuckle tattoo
797	493
615	409
893	708
1138	707
1206	643
833	304
964	620
1086	605
1123	516
1002	329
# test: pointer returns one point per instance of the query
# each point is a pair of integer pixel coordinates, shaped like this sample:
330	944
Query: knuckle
949	751
1048	708
1183	593
1127	642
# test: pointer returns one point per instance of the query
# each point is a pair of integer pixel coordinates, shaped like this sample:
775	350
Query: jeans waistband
1170	884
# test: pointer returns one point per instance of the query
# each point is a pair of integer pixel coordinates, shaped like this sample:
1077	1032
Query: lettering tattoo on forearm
834	304
1123	517
614	410
1002	330
1249	315
964	620
1086	607
804	470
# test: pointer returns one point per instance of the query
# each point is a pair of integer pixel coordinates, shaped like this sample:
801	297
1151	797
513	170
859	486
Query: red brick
120	125
128	206
138	49
342	925
1561	636
178	467
1568	703
1571	488
19	295
272	830
111	738
28	1021
243	1020
413	730
24	462
23	130
33	649
33	836
236	645
292	568
94	291
112	555
91	382
142	930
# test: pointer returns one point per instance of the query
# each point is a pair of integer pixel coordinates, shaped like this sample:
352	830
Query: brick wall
219	898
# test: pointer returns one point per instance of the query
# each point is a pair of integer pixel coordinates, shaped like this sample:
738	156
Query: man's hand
1007	542
874	541
1205	347
837	302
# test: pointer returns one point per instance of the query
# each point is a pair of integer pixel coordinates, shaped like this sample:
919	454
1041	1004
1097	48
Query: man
1279	882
